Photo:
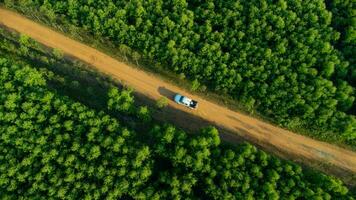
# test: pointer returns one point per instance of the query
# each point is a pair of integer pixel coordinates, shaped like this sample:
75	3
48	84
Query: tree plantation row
276	57
54	147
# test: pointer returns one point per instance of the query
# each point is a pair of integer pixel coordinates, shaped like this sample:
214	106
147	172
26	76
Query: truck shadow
166	92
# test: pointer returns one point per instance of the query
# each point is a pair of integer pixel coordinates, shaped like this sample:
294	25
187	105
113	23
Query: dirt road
271	138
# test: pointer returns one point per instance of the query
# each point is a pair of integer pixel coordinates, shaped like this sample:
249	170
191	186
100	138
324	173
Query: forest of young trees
344	20
283	58
54	147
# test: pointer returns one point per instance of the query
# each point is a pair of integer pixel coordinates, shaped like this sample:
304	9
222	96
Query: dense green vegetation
273	56
54	147
344	20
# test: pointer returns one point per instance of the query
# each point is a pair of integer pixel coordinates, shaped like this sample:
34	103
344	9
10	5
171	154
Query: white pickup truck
180	99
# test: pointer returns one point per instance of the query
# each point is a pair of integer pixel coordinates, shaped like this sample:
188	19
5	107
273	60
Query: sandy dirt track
269	137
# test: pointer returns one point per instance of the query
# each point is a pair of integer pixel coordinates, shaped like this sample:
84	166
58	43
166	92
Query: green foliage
221	172
120	100
143	113
276	57
24	40
162	102
344	20
195	85
57	53
53	147
8	3
24	44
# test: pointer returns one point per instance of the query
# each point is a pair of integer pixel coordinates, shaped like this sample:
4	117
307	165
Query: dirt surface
270	138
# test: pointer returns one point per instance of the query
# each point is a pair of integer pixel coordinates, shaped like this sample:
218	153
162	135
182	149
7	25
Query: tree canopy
54	147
